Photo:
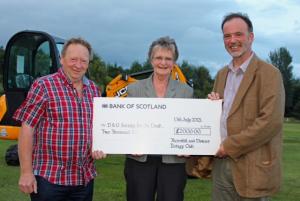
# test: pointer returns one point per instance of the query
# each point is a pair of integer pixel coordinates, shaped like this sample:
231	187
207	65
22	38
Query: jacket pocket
267	169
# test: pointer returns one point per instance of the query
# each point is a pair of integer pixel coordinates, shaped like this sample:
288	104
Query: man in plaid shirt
55	141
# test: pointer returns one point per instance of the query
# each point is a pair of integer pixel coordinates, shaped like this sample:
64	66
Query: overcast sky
121	31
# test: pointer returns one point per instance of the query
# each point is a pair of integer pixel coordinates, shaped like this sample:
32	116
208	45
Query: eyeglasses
161	59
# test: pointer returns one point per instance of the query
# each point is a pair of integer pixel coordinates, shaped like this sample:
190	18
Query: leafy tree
296	99
1	54
296	111
147	65
200	78
136	67
98	72
113	70
187	69
1	69
203	82
282	59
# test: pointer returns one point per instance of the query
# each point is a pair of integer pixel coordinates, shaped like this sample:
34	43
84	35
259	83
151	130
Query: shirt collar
67	81
244	65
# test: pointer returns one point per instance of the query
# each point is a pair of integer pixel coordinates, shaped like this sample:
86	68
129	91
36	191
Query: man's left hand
221	153
98	154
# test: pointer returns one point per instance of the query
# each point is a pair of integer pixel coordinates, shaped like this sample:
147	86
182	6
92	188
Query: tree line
282	59
102	73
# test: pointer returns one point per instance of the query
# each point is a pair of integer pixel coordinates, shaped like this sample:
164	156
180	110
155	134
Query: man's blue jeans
53	192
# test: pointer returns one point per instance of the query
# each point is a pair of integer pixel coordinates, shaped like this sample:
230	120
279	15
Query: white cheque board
156	126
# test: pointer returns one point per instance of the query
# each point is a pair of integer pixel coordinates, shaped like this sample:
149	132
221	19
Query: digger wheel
11	156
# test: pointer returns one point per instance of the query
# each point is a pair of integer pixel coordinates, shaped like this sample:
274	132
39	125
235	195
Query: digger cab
28	55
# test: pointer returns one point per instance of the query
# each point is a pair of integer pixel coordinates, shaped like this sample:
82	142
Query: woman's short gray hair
166	43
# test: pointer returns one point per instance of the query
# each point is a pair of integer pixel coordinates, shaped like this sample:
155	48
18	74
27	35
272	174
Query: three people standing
56	134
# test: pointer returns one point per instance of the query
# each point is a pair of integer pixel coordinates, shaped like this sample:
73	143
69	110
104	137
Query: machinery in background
28	55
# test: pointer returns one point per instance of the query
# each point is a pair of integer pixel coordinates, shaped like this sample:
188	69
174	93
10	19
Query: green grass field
110	186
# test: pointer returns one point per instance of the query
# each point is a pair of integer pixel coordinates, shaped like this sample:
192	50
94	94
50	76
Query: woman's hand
213	96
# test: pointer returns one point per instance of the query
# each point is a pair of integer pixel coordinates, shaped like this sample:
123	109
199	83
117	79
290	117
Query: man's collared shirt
62	123
233	81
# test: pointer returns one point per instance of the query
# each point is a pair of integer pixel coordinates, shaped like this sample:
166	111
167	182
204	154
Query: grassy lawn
110	186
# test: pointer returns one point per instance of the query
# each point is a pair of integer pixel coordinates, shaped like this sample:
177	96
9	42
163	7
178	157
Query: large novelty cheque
156	126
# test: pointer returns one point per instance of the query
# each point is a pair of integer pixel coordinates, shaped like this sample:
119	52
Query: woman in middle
157	177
